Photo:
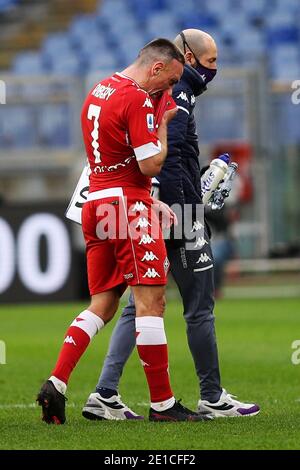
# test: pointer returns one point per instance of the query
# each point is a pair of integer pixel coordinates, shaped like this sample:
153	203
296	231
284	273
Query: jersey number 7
94	113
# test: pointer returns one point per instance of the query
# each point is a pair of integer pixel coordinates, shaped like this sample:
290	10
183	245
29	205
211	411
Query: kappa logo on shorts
143	223
139	206
146	240
128	276
151	273
149	256
203	258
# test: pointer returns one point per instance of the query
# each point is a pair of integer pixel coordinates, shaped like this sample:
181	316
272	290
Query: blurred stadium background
51	52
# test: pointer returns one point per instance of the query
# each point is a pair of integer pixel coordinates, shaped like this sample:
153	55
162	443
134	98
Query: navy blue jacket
180	176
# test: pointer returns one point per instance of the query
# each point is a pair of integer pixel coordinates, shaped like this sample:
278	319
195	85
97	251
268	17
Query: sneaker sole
92	416
217	415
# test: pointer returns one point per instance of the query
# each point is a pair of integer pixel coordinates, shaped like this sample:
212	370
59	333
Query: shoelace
119	399
232	397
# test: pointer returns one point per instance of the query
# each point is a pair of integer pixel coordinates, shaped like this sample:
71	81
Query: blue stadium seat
55	45
285	62
145	9
95	46
54	126
29	63
283	35
204	21
254	6
17	128
101	61
112	10
82	27
109	40
162	24
124	26
286	125
227	116
220	8
68	64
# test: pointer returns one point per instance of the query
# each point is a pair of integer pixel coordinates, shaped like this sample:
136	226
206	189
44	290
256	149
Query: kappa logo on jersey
203	258
193	99
149	256
148	103
183	96
70	340
150	122
146	240
197	226
200	242
151	273
143	223
139	206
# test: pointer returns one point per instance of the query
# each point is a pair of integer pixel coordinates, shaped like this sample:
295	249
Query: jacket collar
194	80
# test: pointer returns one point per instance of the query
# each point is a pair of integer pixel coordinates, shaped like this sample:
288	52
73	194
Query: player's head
163	63
200	51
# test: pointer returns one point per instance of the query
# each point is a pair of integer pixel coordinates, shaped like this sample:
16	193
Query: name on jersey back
103	92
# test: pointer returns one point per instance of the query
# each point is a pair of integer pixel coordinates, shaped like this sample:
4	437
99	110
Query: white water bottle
213	175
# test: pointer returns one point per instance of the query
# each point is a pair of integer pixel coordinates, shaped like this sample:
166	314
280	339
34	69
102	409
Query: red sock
77	339
153	351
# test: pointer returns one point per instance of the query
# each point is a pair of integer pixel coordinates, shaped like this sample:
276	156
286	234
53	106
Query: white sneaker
99	408
228	406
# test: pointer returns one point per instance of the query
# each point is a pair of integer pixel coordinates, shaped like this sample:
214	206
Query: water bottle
213	175
217	200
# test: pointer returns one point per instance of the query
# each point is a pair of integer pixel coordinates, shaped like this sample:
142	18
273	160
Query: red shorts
124	243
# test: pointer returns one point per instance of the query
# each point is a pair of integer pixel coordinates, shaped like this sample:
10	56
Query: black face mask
207	74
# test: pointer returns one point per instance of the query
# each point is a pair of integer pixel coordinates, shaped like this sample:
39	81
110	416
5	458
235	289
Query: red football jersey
118	130
164	103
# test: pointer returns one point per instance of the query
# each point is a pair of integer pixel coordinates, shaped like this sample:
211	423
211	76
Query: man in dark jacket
192	269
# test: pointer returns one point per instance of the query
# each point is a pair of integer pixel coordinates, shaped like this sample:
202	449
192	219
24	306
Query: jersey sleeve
161	105
141	125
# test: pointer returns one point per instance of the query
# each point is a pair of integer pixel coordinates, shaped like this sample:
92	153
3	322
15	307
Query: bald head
199	44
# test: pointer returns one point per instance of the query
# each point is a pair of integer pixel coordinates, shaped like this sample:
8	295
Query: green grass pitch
255	346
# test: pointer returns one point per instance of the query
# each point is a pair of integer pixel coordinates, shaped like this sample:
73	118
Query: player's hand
167	217
169	115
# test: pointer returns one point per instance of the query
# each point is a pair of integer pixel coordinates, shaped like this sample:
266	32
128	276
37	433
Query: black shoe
178	412
53	404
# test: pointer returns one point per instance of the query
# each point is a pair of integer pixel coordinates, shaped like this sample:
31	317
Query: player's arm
149	144
152	165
